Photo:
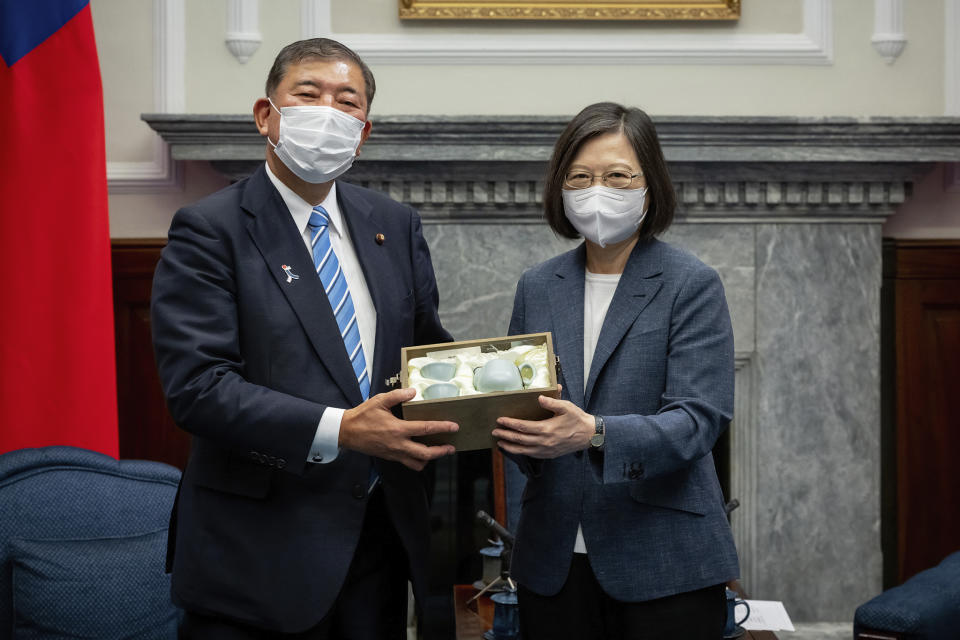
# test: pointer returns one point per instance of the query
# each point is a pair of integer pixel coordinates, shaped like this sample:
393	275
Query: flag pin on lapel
291	276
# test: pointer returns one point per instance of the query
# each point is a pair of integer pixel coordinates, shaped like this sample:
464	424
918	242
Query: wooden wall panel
146	429
924	278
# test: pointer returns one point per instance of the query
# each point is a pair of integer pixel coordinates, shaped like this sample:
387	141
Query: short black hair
635	124
318	49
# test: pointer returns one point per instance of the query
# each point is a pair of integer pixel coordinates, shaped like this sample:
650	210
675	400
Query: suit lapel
279	242
638	286
360	220
566	304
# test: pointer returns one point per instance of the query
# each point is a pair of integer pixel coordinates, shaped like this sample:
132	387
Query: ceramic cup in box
440	370
440	390
502	375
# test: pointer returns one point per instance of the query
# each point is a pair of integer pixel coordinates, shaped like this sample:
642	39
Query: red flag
57	363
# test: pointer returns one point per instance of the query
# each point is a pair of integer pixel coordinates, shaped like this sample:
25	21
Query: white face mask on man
317	143
604	215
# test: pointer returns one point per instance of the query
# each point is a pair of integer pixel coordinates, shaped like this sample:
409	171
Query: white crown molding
814	46
243	29
151	176
952	58
160	173
888	37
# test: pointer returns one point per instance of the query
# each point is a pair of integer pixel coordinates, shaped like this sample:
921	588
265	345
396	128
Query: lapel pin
291	276
380	238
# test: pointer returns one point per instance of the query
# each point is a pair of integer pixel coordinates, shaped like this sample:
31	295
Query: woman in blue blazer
622	532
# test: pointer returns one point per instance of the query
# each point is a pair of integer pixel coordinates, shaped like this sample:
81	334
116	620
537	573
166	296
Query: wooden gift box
477	414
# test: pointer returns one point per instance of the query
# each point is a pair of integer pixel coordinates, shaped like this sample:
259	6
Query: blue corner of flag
24	24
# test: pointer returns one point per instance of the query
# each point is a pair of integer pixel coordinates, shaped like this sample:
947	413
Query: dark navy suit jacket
248	363
650	504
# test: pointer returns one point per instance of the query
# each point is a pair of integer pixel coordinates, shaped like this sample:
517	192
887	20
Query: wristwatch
596	440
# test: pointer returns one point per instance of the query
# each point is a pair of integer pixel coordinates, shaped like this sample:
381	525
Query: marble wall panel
818	415
478	266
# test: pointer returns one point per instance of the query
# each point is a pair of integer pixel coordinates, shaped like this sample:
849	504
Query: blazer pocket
670	495
229	474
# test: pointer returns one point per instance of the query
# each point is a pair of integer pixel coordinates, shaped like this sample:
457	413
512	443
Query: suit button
359	492
281	463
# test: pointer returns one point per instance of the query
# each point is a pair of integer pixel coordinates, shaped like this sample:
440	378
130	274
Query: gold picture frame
569	10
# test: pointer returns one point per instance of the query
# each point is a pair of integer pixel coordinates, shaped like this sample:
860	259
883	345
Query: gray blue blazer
662	377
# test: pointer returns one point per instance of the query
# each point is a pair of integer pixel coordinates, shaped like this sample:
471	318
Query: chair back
69	511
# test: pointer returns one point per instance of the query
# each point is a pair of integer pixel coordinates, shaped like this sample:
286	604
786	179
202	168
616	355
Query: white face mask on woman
317	143
604	215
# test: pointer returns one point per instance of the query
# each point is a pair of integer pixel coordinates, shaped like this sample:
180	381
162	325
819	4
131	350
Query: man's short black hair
635	124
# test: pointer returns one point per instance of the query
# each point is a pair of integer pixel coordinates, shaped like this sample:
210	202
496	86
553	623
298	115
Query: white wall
836	72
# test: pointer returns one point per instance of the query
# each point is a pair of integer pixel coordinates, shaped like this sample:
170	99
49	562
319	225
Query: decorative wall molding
159	174
951	51
508	10
169	58
470	169
243	28
888	37
519	201
691	139
315	19
169	50
813	46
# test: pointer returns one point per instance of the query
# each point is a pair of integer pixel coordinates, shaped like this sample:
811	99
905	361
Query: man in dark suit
279	309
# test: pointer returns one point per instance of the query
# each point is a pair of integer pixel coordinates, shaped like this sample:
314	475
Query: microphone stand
508	542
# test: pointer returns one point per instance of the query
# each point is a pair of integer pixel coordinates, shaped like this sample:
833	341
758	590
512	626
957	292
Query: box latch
393	382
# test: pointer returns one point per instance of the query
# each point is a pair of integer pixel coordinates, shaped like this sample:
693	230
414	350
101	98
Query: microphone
496	527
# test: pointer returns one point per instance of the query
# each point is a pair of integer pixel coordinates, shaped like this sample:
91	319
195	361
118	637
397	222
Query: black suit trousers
372	605
582	610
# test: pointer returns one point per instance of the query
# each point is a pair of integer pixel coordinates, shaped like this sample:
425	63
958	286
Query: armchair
925	607
82	546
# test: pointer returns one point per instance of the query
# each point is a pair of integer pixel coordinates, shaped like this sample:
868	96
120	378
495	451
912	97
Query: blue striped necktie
335	284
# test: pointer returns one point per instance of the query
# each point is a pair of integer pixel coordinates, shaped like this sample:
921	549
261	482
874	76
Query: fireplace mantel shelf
725	169
530	138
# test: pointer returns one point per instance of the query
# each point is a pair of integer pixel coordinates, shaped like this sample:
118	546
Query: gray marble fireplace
789	211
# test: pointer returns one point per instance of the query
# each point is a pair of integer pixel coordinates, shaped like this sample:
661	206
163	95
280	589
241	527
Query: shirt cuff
325	448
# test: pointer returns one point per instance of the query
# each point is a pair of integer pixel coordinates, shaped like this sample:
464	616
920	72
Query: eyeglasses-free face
609	158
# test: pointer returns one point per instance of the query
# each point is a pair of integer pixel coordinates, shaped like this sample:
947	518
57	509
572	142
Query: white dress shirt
325	447
598	290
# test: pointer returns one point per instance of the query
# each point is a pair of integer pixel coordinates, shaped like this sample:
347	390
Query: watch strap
597	439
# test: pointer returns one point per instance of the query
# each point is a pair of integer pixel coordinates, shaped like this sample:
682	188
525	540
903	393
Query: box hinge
393	382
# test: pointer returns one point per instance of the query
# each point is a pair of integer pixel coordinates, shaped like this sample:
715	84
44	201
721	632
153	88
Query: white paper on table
767	615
